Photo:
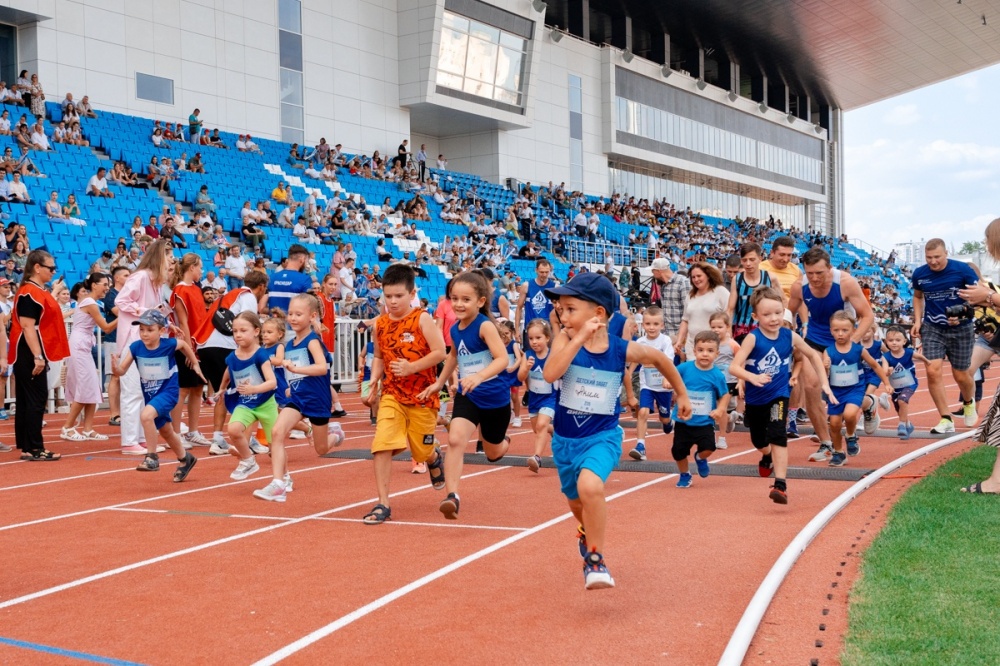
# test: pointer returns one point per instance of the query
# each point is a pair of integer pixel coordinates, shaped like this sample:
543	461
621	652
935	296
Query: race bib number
701	403
153	370
590	391
901	378
653	377
511	360
538	385
470	364
844	375
299	357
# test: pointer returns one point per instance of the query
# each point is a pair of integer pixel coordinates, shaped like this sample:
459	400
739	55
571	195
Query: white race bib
901	378
701	403
844	375
653	377
299	358
470	364
537	384
590	391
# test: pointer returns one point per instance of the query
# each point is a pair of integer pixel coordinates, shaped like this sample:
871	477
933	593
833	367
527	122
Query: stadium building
730	107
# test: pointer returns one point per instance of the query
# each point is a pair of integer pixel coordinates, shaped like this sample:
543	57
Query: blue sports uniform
536	304
511	377
940	289
846	377
704	388
652	395
473	356
246	371
311	394
541	394
158	377
587	434
773	358
369	358
820	309
280	392
284	285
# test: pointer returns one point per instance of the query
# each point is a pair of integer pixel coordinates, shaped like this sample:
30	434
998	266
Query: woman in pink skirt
83	384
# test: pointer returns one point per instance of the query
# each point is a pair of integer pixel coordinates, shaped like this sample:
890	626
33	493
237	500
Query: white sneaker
196	439
823	454
272	492
883	401
288	483
184	428
219	447
970	414
722	444
245	469
731	422
945	426
140	449
872	424
296	434
257	447
335	435
516	421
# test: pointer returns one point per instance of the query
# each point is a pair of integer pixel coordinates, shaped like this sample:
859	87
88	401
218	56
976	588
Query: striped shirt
673	299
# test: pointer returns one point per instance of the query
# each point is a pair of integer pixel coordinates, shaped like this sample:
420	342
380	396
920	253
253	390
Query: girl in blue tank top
821	309
541	394
900	359
272	331
514	356
844	359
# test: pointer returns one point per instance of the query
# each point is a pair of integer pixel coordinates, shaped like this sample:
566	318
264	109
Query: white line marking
419	524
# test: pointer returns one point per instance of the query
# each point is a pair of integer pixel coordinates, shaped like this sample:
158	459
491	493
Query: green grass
929	590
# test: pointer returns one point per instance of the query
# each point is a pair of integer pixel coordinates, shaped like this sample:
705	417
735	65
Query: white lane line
385	600
211	544
499	528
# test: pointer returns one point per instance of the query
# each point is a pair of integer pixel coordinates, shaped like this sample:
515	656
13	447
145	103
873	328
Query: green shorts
266	414
366	386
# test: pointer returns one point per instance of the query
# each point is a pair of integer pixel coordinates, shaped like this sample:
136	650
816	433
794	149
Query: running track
107	565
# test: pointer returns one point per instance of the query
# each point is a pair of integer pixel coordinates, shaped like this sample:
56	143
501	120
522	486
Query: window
154	88
290	74
8	53
481	60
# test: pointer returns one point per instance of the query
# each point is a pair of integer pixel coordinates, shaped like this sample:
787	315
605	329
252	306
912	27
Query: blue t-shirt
369	358
875	351
770	357
588	400
284	285
280	395
845	369
310	393
474	356
940	289
540	392
536	304
704	389
902	371
247	371
157	369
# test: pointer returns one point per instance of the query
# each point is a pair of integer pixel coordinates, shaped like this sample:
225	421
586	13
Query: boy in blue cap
587	442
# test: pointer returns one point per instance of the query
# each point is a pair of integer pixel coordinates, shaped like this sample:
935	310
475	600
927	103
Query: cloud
901	115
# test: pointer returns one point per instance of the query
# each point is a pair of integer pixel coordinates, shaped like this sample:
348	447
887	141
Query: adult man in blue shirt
935	289
290	281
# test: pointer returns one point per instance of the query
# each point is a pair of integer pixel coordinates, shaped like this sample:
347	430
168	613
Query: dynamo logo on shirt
539	302
462	349
771	363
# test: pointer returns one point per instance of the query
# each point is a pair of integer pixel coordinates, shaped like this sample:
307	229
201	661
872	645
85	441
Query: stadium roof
847	53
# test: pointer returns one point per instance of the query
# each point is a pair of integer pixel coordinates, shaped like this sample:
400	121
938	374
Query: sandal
71	435
436	470
94	435
115	421
378	515
41	456
449	506
977	489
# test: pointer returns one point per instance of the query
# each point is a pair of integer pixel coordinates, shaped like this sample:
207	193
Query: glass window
290	50
290	15
8	53
484	32
509	69
480	60
154	88
451	57
291	116
576	94
291	87
292	135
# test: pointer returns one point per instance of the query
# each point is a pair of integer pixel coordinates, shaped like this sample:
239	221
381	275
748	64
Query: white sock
219	435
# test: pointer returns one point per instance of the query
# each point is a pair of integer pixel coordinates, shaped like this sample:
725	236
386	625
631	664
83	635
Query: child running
900	359
719	322
587	442
272	332
514	355
408	347
482	399
307	371
767	352
869	406
155	358
654	390
541	395
248	385
843	358
709	395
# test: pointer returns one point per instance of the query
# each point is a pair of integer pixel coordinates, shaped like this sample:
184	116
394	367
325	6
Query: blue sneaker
668	427
839	459
853	447
595	573
4	415
638	453
793	428
702	464
684	481
902	432
581	537
909	429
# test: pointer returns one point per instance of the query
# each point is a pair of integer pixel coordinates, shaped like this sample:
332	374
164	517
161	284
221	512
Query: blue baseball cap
591	287
151	317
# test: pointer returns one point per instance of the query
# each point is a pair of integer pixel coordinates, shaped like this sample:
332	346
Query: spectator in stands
59	133
121	254
67	101
235	267
216	141
286	218
54	210
293	160
214	281
36	98
70	115
282	194
18	190
26	167
72	209
97	186
204	202
19	255
252	234
156	175
104	264
169	231
86	109
8	96
152	228
133	260
76	135
23	137
203	236
5	123
11	271
195	165
158	140
219	238
195	125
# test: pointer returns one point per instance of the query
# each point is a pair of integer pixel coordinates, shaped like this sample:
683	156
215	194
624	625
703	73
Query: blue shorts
872	380
847	395
656	400
542	404
598	453
903	395
163	403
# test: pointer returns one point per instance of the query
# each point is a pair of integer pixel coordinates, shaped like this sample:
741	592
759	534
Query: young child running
899	358
408	347
869	406
844	358
307	371
248	385
719	322
587	442
767	353
272	332
155	358
514	356
541	395
482	399
654	391
365	359
709	395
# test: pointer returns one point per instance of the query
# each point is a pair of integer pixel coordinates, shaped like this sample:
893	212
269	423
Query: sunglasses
51	268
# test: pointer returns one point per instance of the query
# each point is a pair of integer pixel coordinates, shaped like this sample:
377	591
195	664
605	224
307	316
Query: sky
925	164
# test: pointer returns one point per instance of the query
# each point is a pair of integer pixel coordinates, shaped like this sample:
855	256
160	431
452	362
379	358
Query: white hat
789	317
660	264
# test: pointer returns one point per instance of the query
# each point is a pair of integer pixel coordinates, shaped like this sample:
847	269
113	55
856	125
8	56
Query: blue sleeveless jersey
369	358
495	301
310	393
616	325
280	393
820	310
770	357
902	371
249	371
540	392
845	371
511	377
589	392
474	356
157	369
875	351
536	303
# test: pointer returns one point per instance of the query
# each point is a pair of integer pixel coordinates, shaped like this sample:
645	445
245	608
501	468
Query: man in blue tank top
935	289
532	303
290	281
824	291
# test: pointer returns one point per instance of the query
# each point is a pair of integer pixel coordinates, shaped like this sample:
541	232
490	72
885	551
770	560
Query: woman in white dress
83	385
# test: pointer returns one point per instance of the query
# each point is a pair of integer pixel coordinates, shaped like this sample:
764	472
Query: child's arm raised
317	368
435	341
813	357
646	355
564	349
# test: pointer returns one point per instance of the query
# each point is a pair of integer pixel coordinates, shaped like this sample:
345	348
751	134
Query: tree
972	247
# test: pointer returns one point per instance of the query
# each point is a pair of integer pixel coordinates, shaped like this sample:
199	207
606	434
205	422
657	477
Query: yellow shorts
401	427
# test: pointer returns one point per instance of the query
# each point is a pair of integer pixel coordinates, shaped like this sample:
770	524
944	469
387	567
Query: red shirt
446	315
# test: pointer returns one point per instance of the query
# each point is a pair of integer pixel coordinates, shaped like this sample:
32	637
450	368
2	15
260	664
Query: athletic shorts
817	346
266	414
186	377
213	364
402	427
542	404
163	403
658	401
846	395
366	387
734	388
686	436
314	420
902	395
767	423
543	411
492	422
955	342
598	453
872	381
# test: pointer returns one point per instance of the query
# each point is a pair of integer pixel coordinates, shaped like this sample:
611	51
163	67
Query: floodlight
666	71
701	84
627	55
539	5
555	35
